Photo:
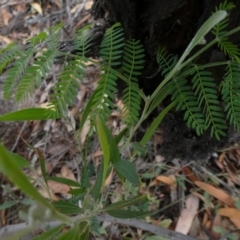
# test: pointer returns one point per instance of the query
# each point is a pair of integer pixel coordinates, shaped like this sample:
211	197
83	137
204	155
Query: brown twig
169	234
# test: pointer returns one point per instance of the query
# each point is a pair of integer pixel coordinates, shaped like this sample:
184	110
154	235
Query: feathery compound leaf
8	54
225	6
33	75
82	42
132	65
205	90
185	100
111	52
219	30
53	37
16	72
165	61
65	91
41	37
231	95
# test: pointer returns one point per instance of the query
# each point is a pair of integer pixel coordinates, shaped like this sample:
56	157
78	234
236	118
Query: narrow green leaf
77	191
27	202
66	181
67	207
20	161
49	234
127	203
114	151
98	184
155	238
156	123
28	114
12	171
103	136
161	95
128	170
71	234
84	230
7	204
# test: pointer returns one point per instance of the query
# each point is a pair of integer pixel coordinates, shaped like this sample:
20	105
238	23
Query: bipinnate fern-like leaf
219	30
186	101
34	74
26	77
231	94
165	61
82	40
15	73
111	49
66	89
132	64
52	40
8	54
207	95
227	6
182	93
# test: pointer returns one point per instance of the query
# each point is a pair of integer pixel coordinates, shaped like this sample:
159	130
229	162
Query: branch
169	234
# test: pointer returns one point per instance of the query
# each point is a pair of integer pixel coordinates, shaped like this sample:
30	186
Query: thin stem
199	52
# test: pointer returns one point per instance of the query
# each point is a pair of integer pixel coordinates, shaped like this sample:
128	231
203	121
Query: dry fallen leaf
3	216
75	8
109	179
49	194
189	174
37	7
48	168
205	218
4	40
98	153
236	222
167	180
229	212
85	130
88	4
5	15
67	173
232	172
57	187
215	192
187	215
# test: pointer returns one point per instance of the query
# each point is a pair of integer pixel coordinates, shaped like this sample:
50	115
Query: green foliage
230	93
19	67
191	87
8	54
219	31
187	101
111	50
199	98
66	89
124	59
132	65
